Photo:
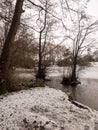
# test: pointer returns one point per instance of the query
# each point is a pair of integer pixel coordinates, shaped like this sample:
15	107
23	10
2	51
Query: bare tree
6	52
44	22
81	42
79	32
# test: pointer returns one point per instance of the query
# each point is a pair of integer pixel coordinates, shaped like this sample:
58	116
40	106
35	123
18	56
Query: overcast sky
93	8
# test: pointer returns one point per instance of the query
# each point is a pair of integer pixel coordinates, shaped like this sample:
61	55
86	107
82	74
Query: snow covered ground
44	109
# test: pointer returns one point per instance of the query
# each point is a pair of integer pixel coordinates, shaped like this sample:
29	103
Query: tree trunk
74	67
40	72
6	52
40	55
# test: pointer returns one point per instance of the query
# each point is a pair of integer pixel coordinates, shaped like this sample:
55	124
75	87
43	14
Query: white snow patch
44	109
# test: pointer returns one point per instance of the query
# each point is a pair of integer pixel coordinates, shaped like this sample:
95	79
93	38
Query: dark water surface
85	93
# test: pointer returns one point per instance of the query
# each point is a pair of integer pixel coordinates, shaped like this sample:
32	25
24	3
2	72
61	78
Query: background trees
25	50
6	13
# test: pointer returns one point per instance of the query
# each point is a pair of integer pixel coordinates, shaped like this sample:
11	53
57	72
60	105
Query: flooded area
85	93
24	74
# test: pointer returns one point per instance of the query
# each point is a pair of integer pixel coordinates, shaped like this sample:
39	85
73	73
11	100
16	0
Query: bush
66	80
39	83
3	90
15	83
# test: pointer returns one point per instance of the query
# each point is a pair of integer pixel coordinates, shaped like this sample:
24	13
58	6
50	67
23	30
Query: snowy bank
44	109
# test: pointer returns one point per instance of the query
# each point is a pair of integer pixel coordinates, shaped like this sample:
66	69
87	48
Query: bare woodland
30	38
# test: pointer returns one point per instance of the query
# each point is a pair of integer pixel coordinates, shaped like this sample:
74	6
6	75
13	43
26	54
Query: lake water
86	93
